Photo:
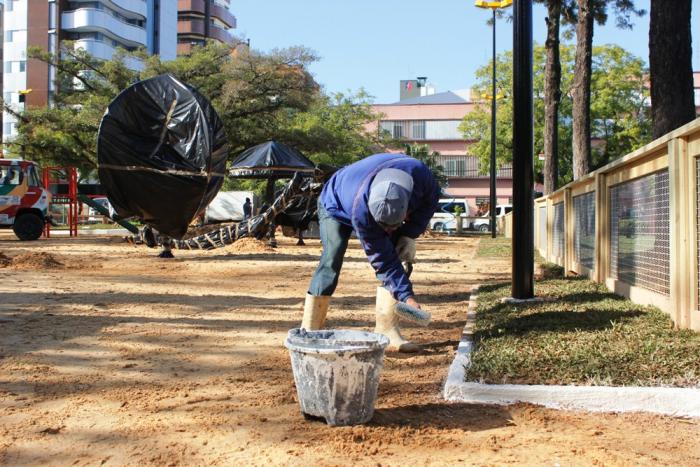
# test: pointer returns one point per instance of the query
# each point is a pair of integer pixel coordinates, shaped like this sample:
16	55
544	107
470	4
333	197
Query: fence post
568	232
692	213
550	229
679	267
602	229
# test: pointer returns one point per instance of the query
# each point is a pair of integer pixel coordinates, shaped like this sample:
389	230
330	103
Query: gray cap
389	195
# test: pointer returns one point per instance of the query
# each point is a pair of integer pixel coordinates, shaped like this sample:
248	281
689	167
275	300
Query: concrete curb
679	402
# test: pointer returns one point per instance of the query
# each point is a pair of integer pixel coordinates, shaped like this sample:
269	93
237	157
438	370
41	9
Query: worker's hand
411	301
406	249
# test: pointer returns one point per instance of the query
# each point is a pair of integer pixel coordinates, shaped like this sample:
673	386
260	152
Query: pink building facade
434	120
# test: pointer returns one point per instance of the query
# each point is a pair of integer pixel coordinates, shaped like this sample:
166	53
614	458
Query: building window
7	96
455	167
418	129
8	67
7	127
8	36
398	130
22	66
8	5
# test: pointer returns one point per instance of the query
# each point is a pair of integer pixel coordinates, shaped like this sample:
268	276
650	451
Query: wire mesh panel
584	229
639	228
558	234
543	229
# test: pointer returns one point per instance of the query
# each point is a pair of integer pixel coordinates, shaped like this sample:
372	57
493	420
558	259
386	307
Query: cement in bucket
337	373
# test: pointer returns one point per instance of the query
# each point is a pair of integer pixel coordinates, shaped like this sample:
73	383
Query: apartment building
202	20
98	26
426	117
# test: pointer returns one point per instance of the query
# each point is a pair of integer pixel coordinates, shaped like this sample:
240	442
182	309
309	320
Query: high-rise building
98	26
2	47
199	20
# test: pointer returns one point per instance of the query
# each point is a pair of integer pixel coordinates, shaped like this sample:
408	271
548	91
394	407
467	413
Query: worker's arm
381	252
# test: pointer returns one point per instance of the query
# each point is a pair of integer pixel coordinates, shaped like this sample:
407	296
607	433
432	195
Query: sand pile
36	260
250	245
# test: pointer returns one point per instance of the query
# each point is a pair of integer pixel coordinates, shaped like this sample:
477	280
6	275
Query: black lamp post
522	285
493	6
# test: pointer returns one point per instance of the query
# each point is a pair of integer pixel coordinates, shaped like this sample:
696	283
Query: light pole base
521	301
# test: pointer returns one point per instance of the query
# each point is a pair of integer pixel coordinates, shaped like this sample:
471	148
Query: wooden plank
640	168
583	188
602	228
568	232
640	295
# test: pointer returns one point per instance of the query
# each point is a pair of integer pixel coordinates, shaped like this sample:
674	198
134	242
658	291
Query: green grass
494	247
582	334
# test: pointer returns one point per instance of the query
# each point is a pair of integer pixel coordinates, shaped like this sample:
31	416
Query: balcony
196	27
104	51
191	26
469	167
138	7
222	35
90	19
216	11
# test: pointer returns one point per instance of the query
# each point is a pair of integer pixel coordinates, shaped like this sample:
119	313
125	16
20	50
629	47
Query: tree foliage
619	108
259	96
430	158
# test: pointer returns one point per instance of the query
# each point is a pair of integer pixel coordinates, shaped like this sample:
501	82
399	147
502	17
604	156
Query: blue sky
375	43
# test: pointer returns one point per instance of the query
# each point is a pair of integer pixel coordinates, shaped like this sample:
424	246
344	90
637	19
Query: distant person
247	209
9	177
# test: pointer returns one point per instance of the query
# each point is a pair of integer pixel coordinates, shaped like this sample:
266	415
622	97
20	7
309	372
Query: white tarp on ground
228	206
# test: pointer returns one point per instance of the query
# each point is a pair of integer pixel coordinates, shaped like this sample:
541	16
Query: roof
448	97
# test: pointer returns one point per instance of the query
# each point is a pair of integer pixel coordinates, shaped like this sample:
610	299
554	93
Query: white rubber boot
388	323
315	310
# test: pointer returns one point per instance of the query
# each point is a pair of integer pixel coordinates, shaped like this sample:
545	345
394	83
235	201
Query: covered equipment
162	154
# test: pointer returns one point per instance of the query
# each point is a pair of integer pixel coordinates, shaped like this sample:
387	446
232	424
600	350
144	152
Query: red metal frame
56	176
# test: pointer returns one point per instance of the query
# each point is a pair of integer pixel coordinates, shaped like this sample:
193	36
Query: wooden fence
633	225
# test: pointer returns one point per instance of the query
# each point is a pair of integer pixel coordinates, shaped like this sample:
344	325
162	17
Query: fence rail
634	225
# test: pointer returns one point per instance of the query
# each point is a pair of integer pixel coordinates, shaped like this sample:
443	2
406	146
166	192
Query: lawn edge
679	402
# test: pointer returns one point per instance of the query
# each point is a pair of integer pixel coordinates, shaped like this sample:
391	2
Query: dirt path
116	357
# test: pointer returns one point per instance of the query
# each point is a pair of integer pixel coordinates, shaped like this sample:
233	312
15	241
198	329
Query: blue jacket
345	198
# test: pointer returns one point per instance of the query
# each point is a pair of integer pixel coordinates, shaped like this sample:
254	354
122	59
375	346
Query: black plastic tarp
270	160
162	154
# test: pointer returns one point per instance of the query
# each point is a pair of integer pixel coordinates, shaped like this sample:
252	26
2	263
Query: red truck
24	202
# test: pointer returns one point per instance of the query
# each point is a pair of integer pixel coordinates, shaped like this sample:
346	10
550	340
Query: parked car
483	224
444	215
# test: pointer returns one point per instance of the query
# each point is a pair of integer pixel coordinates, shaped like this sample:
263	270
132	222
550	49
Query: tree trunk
552	97
582	89
670	66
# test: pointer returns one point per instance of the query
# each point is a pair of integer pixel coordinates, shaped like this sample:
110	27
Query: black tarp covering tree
162	154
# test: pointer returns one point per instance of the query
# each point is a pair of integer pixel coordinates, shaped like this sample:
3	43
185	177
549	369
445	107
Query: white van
444	215
484	224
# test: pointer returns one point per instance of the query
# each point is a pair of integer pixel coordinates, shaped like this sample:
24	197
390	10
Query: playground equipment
62	182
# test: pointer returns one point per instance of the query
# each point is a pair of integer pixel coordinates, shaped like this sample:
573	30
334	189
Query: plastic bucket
337	373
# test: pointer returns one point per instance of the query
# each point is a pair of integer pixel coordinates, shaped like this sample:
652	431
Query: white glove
406	249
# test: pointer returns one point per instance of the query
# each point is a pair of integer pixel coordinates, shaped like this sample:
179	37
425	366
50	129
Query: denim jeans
334	238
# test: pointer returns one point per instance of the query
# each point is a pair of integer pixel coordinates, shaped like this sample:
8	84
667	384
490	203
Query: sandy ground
117	357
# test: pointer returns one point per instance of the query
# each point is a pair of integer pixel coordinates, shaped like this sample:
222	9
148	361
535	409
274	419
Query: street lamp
493	6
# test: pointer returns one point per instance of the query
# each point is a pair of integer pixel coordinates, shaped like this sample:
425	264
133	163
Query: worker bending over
388	200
